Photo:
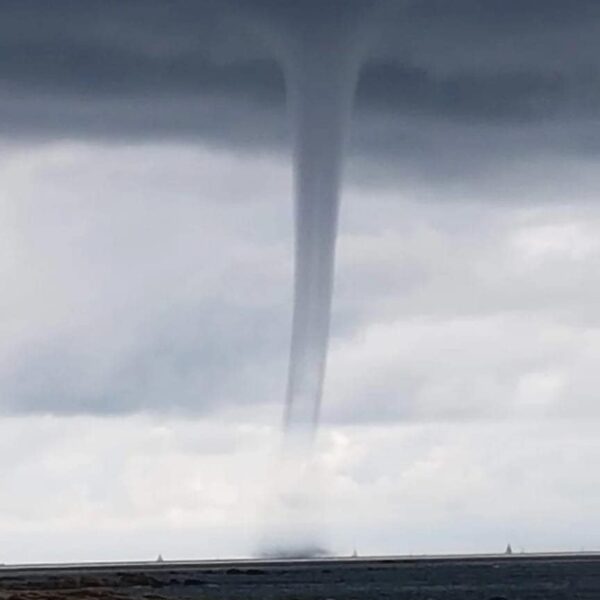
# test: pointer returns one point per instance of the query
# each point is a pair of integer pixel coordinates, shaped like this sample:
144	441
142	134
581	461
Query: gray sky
146	268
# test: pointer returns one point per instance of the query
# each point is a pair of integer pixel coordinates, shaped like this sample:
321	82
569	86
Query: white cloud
155	280
457	368
132	487
569	241
127	263
159	277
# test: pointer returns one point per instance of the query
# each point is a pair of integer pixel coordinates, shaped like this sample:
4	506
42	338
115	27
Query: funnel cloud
322	64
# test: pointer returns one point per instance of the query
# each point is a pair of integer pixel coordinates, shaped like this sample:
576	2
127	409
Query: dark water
566	577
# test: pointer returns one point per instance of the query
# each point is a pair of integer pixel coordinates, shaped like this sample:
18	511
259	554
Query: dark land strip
516	577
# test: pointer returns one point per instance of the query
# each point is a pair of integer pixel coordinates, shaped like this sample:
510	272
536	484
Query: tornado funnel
323	61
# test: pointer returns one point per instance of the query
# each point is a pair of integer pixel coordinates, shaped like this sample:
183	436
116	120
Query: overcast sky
146	275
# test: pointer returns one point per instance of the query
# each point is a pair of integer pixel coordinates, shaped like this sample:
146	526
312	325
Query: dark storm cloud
132	69
181	69
514	95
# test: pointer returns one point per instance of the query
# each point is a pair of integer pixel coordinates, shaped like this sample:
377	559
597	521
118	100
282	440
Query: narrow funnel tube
321	79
